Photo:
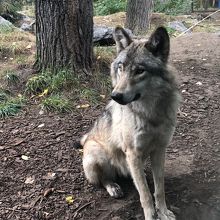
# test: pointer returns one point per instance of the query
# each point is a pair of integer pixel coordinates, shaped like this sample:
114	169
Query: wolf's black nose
116	96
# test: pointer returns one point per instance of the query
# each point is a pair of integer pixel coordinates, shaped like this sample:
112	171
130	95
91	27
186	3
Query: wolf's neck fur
156	108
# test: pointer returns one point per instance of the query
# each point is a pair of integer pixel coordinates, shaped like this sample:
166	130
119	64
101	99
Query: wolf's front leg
157	163
136	168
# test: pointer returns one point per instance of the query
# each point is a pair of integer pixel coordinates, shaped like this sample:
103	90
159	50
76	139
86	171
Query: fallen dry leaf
45	92
103	96
69	199
29	180
41	125
83	106
28	46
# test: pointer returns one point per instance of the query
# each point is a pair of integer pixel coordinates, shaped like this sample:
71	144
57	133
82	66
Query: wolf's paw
114	190
165	215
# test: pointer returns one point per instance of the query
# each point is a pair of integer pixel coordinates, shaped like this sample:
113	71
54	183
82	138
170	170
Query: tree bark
138	15
64	30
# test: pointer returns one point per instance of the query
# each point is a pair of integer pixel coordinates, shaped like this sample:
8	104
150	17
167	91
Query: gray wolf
138	122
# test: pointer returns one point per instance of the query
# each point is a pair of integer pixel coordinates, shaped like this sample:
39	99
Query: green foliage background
173	7
106	7
10	6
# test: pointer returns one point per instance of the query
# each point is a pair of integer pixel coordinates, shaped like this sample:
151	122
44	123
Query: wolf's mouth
122	102
137	96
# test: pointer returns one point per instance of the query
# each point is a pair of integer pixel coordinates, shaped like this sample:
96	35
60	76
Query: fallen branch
198	23
50	144
81	208
14	209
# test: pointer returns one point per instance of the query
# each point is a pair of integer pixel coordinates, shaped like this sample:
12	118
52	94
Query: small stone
199	83
41	125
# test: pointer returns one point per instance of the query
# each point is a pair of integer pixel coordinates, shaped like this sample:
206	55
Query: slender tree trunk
138	15
64	30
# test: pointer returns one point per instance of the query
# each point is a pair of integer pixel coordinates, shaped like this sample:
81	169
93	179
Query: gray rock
103	35
28	27
6	26
178	26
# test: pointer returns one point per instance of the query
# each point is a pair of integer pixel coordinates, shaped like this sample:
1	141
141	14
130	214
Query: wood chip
48	191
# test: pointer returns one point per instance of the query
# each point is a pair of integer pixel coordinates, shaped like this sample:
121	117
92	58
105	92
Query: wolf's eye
139	71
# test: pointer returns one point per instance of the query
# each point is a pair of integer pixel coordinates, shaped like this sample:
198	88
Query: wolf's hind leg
98	169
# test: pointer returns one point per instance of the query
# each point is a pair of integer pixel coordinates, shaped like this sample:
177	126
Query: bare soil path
36	186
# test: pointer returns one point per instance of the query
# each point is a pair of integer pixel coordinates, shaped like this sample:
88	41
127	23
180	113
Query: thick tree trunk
138	15
64	30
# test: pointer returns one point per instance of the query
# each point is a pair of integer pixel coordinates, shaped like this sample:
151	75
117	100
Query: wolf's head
140	65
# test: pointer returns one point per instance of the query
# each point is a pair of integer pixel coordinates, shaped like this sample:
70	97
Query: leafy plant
106	7
56	103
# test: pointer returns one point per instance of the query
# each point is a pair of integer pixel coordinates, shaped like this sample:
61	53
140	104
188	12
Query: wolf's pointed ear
121	38
159	44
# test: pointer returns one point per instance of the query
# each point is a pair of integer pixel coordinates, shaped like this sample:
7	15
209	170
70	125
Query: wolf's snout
117	96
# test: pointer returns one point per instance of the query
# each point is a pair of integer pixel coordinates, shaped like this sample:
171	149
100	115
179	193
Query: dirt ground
35	187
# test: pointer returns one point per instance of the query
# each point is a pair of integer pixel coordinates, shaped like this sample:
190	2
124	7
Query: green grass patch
10	106
63	79
11	78
56	103
3	96
90	95
53	82
38	83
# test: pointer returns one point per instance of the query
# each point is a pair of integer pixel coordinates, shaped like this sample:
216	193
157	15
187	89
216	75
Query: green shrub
10	6
173	7
106	7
